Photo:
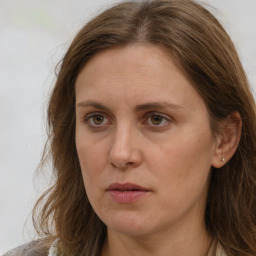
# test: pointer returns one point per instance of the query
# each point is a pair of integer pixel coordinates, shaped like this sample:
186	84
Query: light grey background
33	37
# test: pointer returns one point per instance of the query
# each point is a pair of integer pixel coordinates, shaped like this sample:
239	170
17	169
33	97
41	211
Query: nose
124	150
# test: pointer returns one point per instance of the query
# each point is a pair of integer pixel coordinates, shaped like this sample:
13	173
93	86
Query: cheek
181	180
184	162
92	158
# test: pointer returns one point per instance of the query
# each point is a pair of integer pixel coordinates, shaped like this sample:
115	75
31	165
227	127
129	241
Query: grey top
31	249
28	249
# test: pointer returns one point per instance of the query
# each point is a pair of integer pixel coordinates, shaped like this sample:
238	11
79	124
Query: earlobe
227	140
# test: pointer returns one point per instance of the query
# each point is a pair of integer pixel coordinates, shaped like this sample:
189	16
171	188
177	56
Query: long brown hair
207	57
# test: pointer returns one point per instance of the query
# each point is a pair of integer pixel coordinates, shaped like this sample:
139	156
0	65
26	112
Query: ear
227	140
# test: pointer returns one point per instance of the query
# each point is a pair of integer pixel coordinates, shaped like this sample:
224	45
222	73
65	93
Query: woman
152	138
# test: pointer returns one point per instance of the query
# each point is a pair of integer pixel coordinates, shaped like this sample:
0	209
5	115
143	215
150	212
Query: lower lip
126	197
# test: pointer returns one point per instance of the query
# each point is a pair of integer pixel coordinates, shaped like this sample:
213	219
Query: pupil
98	119
156	120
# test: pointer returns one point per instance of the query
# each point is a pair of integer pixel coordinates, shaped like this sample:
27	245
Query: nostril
123	159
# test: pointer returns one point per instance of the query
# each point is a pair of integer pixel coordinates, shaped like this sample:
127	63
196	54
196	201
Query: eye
96	120
157	120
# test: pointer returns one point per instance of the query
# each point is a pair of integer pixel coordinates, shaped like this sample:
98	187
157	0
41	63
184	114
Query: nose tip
121	164
124	153
124	158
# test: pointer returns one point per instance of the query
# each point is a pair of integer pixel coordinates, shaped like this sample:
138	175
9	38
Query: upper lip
126	187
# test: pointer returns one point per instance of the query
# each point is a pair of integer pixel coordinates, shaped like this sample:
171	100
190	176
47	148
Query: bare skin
139	121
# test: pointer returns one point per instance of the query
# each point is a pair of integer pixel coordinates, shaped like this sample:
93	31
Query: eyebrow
86	104
141	107
157	105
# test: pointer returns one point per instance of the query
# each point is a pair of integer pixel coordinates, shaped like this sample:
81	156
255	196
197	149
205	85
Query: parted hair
205	54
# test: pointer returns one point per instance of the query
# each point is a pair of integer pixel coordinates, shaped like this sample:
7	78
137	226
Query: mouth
126	193
126	187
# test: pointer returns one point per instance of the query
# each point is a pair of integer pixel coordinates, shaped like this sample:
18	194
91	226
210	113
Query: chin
130	230
129	224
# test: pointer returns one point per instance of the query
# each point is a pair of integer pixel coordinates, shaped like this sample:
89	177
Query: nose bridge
124	149
122	140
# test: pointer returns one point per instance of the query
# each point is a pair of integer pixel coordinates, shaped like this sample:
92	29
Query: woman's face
144	141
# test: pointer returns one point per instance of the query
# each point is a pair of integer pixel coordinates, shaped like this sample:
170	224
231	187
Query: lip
127	193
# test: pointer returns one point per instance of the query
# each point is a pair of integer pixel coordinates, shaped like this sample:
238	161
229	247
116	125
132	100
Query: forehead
130	62
135	73
153	55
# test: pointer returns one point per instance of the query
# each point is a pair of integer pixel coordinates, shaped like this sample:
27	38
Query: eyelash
89	120
166	119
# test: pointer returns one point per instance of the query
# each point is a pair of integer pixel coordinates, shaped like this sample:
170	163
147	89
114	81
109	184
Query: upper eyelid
156	113
149	113
93	113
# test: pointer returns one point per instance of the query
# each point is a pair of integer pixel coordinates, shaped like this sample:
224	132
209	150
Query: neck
184	242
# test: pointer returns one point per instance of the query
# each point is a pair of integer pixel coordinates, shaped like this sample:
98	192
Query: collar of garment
216	249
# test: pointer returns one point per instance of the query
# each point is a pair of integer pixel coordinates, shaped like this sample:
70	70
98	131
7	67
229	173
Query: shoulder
33	248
